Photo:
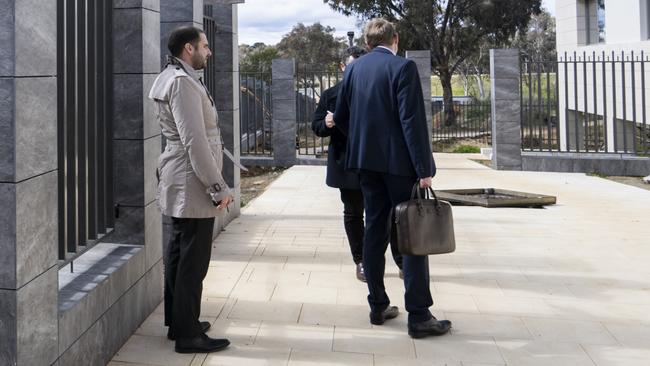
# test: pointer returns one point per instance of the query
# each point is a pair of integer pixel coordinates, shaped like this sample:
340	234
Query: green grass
547	84
457	86
467	149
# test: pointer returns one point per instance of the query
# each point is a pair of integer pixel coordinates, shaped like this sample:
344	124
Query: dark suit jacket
337	177
381	109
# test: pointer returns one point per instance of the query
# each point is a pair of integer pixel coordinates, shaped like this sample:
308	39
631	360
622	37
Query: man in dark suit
346	181
381	109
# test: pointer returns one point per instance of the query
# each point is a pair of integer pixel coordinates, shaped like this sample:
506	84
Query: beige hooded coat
193	156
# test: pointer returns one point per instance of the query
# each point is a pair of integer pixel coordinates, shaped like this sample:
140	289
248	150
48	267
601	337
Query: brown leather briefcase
424	225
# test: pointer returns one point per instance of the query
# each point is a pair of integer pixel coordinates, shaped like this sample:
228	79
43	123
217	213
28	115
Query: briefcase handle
416	193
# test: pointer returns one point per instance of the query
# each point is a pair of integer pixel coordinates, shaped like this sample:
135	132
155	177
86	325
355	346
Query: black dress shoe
200	344
361	276
172	337
431	327
379	318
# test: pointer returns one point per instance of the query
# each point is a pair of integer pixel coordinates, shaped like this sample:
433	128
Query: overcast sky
268	20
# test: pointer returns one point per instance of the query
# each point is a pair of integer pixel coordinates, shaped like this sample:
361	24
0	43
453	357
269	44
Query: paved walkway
567	285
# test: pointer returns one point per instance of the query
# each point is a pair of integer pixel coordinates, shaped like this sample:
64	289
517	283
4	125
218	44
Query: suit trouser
382	192
354	227
187	259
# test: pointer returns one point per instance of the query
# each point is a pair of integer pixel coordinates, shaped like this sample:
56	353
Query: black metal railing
311	82
471	124
255	113
539	91
586	103
210	29
84	124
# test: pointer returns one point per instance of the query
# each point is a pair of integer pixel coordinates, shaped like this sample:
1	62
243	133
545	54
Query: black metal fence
471	124
210	29
84	123
539	92
311	82
256	113
588	103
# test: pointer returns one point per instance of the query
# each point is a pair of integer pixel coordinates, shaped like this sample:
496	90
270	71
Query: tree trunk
447	97
479	83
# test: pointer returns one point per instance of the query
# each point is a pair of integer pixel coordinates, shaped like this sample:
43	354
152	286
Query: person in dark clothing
380	108
337	177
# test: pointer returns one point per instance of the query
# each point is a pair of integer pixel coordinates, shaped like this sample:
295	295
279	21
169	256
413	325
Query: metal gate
84	123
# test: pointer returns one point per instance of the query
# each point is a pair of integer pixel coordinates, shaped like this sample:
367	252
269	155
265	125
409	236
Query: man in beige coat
191	189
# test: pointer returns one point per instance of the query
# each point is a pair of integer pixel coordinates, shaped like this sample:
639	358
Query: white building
609	82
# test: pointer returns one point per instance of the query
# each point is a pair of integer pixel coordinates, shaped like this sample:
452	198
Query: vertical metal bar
60	123
614	102
595	90
101	122
522	111
548	109
529	103
585	122
81	122
539	103
249	95
644	133
566	100
108	80
623	81
255	116
70	143
633	76
556	67
309	103
575	94
241	109
270	105
604	76
322	139
92	122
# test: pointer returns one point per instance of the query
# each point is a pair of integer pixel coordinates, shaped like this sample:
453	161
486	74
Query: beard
199	62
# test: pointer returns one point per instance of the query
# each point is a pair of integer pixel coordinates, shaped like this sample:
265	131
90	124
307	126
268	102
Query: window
647	18
600	15
595	21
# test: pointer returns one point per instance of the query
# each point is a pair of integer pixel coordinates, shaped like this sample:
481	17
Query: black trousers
382	192
354	227
187	259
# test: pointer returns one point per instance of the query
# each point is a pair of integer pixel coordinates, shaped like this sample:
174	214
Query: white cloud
268	20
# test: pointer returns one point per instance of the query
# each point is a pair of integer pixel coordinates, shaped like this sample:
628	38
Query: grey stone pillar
283	90
28	183
506	109
423	61
136	136
226	68
176	13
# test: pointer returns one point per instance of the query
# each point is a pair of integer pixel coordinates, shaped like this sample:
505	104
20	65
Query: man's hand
329	120
225	202
425	182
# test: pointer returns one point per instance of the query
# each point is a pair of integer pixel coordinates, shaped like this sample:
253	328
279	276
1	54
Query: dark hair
182	36
354	51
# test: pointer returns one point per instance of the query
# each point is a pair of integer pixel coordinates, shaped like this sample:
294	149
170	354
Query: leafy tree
538	41
451	29
313	45
257	57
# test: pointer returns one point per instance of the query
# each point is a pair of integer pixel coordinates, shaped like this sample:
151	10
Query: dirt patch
255	181
630	181
486	162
